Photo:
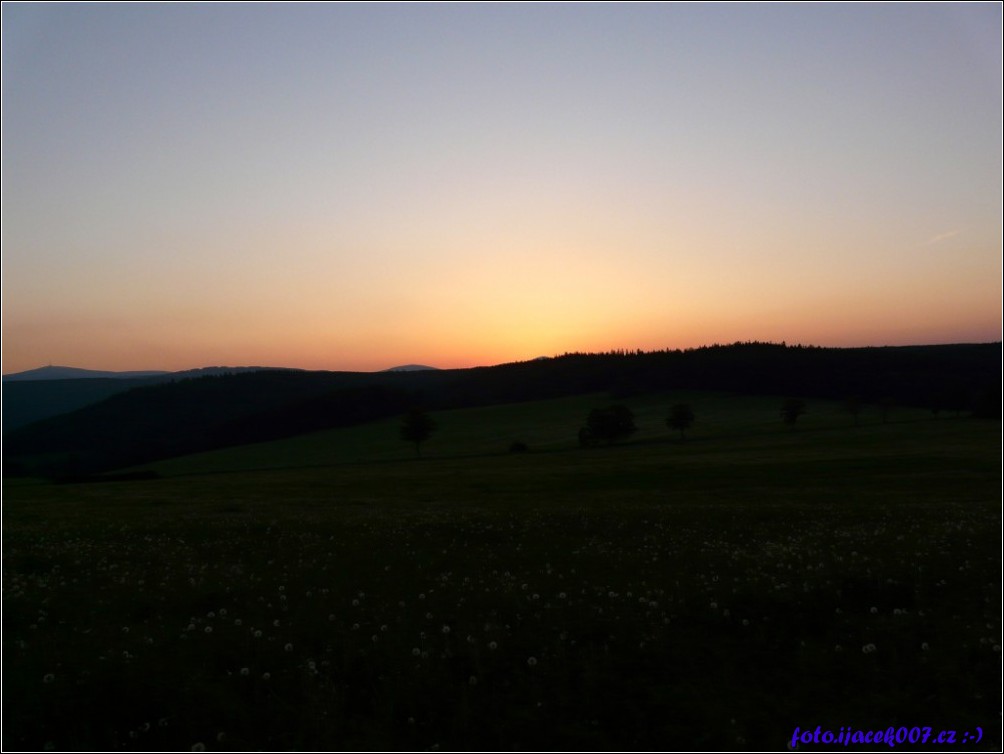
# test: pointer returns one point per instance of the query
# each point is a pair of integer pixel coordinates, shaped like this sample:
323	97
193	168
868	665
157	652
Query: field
334	591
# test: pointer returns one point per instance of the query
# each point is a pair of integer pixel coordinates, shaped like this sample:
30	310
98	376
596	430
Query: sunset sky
361	186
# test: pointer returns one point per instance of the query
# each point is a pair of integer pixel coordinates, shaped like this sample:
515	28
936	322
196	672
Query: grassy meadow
334	591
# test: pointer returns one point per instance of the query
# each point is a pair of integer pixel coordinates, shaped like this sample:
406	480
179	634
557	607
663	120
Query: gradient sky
359	186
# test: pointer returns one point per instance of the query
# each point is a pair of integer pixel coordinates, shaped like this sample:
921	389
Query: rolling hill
184	416
50	391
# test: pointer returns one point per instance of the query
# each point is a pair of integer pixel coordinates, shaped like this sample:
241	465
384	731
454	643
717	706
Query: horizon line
607	352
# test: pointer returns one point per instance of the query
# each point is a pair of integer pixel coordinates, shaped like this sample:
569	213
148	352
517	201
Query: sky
357	186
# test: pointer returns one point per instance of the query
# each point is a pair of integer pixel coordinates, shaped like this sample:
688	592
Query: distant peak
51	372
411	368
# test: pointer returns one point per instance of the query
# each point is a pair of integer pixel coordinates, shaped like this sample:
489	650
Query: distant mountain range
75	373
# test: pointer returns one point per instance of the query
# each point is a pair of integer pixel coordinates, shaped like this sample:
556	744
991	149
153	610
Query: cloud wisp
941	237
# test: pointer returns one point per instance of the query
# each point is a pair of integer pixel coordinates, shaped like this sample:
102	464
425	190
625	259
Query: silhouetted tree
791	409
885	406
681	416
518	446
852	406
417	427
609	424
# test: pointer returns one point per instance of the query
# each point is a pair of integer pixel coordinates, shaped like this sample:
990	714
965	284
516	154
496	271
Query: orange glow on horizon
487	194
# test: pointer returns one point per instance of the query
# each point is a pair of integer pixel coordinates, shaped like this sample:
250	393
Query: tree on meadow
608	425
416	427
885	406
681	417
853	407
791	409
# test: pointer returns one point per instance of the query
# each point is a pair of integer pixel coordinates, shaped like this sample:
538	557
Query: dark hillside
188	416
37	394
27	401
947	377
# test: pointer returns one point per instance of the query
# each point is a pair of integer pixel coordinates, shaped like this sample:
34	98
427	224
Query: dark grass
709	594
